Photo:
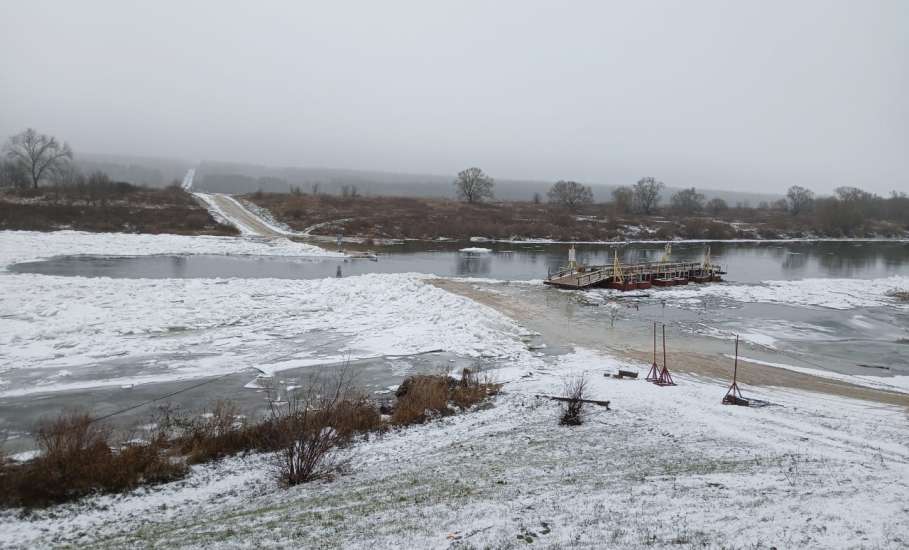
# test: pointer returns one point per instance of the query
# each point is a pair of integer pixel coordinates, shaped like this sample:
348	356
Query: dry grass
217	433
114	207
76	459
77	456
425	396
898	294
472	388
425	218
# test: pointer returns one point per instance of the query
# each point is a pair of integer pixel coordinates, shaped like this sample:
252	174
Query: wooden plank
591	401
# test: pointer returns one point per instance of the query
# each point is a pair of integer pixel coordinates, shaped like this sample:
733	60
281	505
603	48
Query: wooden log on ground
566	399
624	374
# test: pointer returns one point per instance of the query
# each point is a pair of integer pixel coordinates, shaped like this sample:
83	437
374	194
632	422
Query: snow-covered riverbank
666	467
26	246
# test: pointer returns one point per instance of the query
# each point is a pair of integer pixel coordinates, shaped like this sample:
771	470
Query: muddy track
242	218
551	323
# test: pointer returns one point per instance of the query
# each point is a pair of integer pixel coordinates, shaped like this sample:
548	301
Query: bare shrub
76	459
216	433
74	456
320	417
898	294
357	415
574	389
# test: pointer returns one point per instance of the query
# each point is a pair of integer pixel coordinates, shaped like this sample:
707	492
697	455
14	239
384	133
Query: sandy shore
551	323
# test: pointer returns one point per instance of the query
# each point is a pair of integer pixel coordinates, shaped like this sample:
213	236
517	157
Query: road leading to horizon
232	211
239	216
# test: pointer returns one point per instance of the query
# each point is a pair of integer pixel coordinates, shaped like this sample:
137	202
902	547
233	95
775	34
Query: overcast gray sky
729	95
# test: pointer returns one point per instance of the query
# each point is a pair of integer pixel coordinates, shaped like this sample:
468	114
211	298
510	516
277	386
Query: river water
853	338
746	262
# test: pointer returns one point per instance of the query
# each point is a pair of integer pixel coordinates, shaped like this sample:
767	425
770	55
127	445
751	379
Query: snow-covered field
667	467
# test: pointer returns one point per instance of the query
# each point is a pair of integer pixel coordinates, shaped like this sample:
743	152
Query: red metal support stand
665	378
733	394
654	373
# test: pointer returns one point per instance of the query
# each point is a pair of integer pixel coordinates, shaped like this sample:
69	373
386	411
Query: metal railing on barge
589	276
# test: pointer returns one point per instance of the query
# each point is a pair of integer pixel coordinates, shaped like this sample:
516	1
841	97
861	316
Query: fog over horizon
752	96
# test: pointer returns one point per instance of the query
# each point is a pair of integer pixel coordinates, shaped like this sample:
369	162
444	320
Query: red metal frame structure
654	373
665	378
733	394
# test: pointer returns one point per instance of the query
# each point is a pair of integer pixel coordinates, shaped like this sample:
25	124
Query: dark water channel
746	262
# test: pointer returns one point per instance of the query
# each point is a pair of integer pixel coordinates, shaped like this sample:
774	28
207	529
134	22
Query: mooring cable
171	394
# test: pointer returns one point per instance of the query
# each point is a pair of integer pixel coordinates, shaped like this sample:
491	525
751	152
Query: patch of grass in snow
316	515
423	396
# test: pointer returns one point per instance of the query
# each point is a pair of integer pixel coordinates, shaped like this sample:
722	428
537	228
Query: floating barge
639	276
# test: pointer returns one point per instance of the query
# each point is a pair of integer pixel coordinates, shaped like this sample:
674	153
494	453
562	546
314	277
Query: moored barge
640	276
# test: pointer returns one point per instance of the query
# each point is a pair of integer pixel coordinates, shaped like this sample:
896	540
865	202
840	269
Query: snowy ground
666	467
828	293
840	294
63	333
26	246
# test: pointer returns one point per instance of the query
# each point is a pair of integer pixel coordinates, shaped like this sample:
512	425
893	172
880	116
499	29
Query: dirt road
247	222
549	323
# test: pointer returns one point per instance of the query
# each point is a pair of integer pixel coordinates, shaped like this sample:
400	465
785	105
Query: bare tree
623	198
853	194
717	206
473	185
13	174
39	154
570	193
800	199
647	194
687	201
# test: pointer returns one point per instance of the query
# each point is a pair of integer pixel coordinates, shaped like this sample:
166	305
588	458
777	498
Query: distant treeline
849	212
238	178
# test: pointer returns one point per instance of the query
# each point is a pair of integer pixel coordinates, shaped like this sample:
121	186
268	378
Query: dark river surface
870	341
746	262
